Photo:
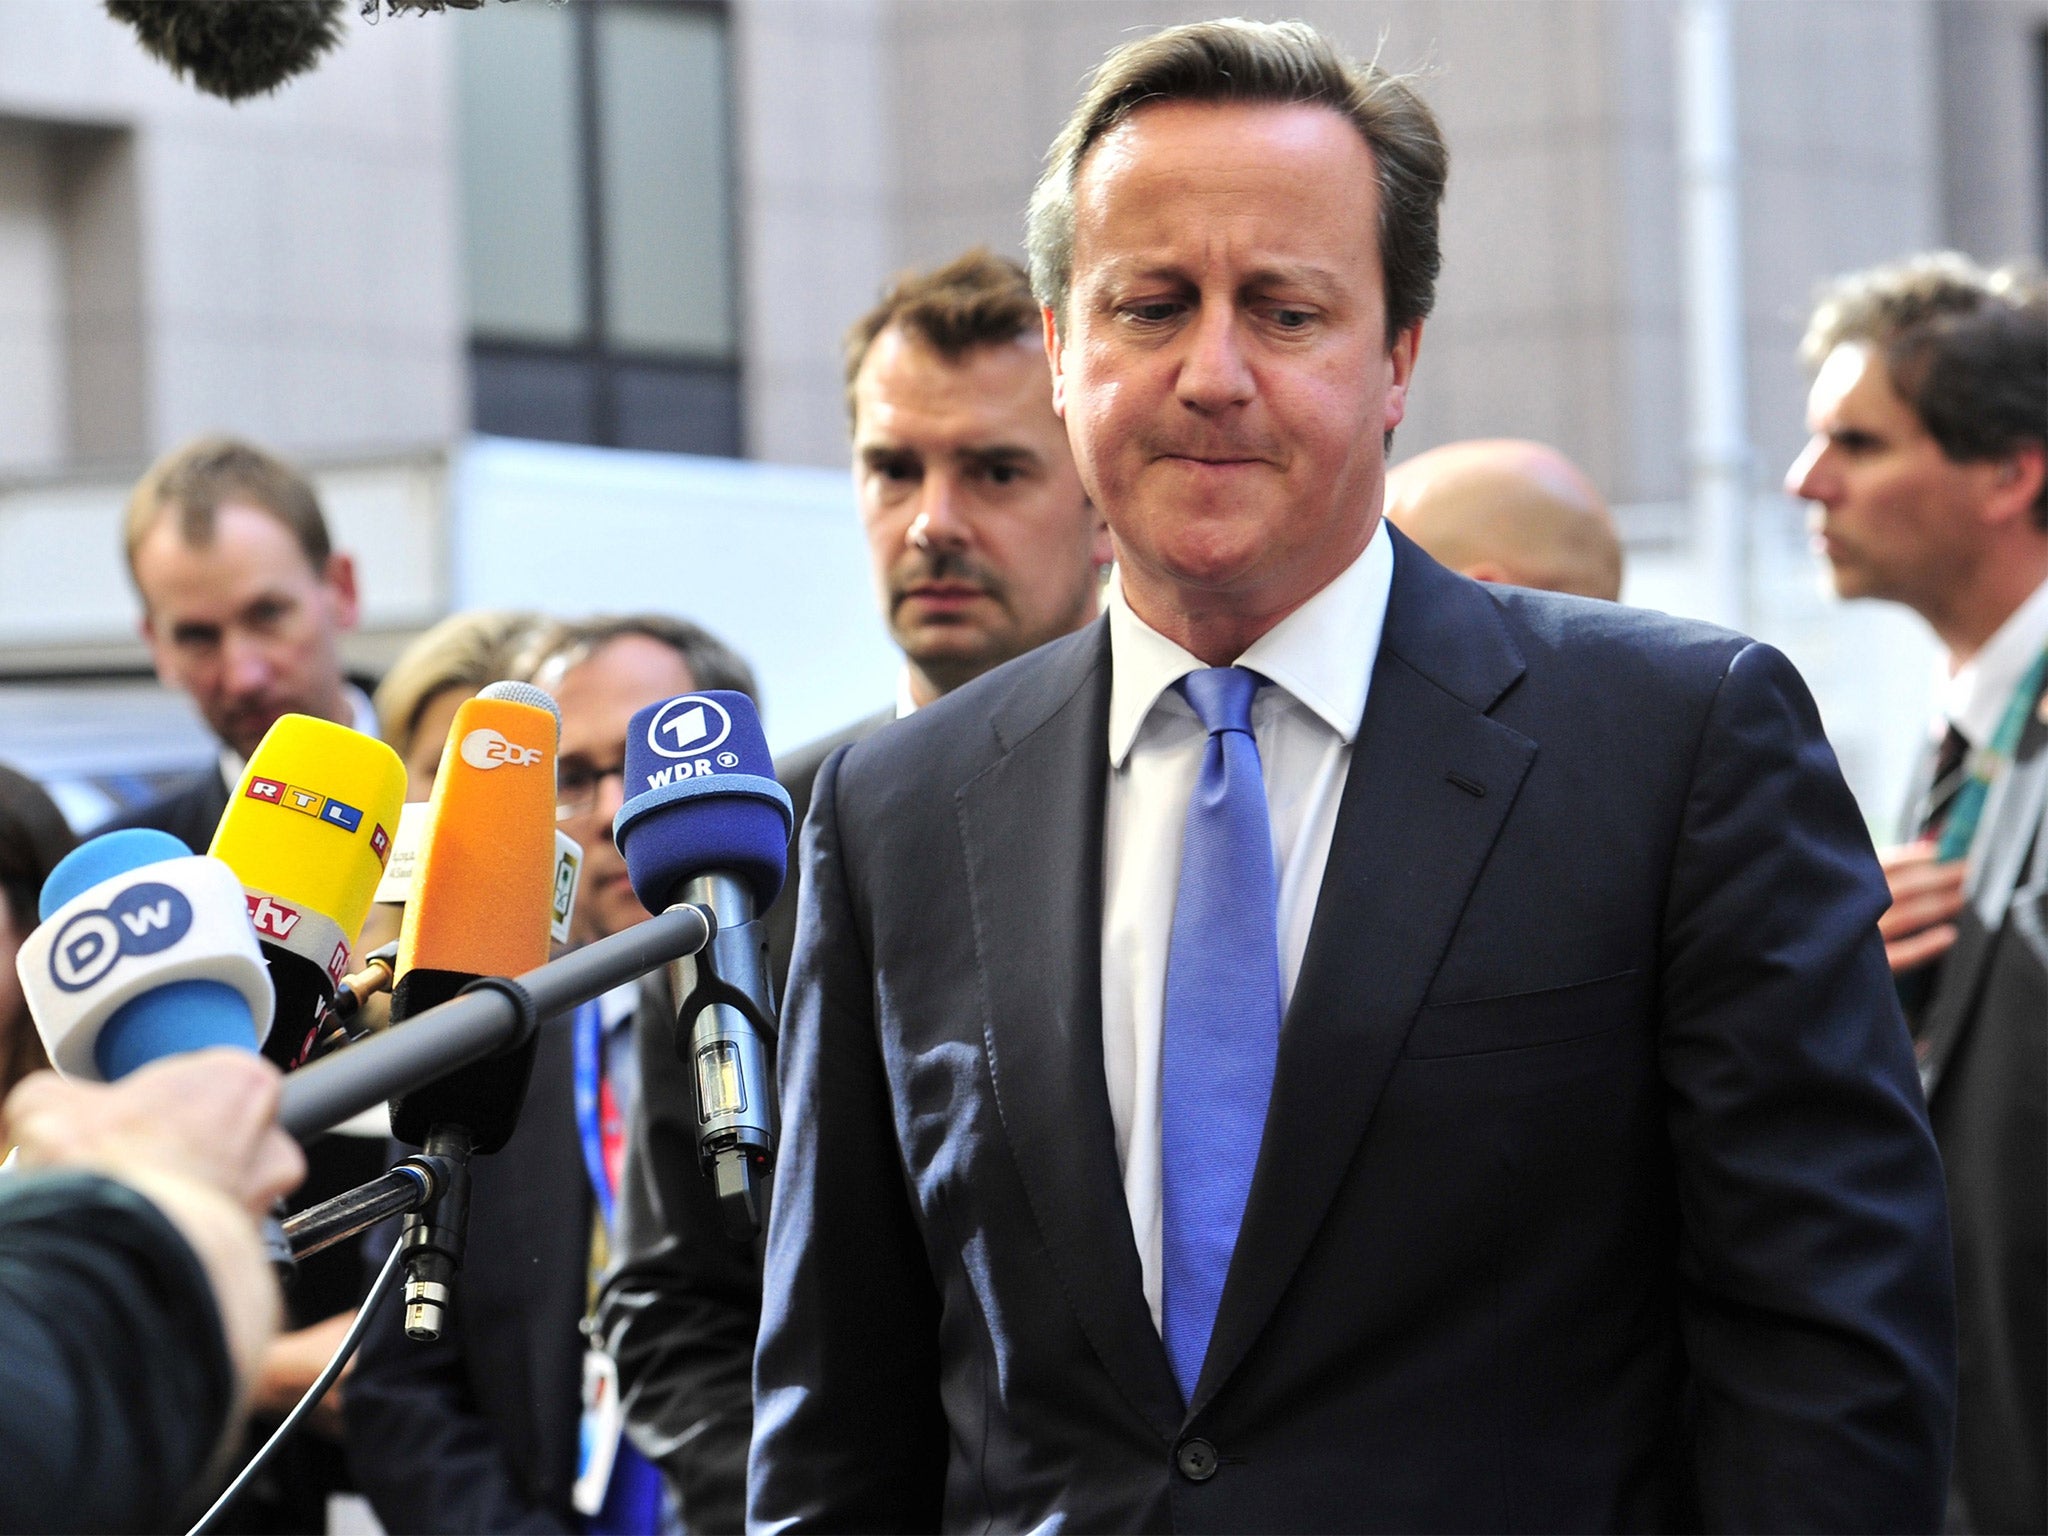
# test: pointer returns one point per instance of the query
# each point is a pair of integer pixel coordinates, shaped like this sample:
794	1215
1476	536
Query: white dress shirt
1319	660
1974	699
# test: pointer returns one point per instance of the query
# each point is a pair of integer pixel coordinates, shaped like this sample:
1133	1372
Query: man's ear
1402	356
340	580
159	654
1100	550
1051	325
2017	486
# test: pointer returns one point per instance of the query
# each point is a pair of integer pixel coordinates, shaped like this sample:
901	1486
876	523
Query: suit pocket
1517	1020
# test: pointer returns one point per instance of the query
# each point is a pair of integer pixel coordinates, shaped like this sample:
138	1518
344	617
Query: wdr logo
692	726
145	919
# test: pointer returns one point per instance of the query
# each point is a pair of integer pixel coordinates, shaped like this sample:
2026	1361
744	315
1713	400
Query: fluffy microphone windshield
703	798
234	49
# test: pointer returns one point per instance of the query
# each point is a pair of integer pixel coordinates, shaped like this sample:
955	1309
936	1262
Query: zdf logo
484	748
688	727
144	919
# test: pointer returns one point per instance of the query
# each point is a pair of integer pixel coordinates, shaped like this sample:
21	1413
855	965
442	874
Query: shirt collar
1975	698
906	701
363	717
1322	654
615	1009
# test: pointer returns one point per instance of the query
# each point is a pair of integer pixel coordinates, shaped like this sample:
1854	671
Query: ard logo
688	727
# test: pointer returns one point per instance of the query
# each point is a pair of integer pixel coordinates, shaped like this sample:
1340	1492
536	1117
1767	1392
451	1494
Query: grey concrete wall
285	268
1560	309
1994	130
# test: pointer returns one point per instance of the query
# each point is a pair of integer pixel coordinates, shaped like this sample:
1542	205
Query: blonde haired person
432	678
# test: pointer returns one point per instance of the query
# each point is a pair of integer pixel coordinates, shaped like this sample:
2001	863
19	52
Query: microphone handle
725	1026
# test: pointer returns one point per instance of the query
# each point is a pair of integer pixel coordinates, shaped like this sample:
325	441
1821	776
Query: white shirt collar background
1974	698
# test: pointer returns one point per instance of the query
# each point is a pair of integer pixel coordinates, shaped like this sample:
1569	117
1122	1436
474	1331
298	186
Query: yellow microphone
307	832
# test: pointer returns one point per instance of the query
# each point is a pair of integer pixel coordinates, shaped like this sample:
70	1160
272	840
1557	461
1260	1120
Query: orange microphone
481	900
482	896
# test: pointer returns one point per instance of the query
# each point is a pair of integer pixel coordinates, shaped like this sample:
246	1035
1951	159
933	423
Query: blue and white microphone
707	824
145	950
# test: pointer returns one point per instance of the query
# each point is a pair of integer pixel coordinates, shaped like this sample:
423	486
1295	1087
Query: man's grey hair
712	662
1259	63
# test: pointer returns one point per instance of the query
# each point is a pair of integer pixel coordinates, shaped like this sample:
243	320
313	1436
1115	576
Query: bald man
1509	511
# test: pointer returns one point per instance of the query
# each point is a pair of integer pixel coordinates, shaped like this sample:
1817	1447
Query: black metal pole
407	1187
477	1024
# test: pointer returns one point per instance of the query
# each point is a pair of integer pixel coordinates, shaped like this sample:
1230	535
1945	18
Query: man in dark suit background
984	543
1334	1045
244	603
1929	414
984	546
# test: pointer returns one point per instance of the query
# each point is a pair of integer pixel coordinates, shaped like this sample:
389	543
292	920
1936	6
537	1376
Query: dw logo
146	918
693	726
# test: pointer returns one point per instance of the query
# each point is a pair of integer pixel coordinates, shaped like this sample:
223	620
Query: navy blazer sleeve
1818	1306
115	1383
846	1374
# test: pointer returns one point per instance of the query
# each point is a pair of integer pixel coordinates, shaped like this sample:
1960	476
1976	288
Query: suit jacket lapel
1430	785
1031	825
2012	819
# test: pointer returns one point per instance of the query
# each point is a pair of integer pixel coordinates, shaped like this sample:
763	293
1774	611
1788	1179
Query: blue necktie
1222	1024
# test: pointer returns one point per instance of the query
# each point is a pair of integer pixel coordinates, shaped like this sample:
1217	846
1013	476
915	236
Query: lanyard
1960	829
590	1093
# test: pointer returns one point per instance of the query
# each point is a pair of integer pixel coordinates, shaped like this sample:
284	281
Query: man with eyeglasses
488	1429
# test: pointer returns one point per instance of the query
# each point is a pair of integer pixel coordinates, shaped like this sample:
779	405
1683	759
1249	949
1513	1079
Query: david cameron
1332	1045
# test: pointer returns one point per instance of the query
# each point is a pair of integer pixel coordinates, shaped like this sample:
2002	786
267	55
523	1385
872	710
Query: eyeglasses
578	785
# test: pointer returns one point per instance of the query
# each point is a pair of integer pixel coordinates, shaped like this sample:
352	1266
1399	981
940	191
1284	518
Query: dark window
596	160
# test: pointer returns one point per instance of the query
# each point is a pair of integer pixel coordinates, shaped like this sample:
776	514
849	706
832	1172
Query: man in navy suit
1334	1045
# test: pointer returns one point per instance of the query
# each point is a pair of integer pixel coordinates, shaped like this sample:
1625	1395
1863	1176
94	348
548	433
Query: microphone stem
433	1238
406	1187
725	1025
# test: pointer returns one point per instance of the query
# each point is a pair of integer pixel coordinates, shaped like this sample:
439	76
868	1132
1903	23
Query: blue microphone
144	950
707	823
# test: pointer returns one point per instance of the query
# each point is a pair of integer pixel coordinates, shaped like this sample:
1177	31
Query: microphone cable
326	1379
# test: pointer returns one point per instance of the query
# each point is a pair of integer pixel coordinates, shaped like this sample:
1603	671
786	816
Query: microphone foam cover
144	950
102	858
308	829
525	693
484	887
704	799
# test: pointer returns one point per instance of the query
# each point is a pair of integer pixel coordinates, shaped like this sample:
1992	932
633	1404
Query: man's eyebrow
992	455
875	454
1319	281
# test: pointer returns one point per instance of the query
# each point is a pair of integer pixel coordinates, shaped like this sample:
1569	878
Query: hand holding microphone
708	824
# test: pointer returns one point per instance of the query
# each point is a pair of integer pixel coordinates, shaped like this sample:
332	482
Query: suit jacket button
1196	1460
